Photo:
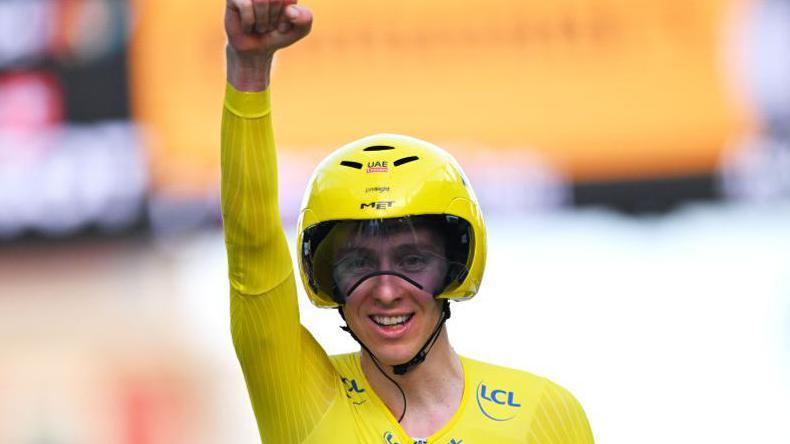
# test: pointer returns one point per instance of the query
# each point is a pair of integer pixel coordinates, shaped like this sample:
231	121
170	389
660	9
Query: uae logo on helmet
379	166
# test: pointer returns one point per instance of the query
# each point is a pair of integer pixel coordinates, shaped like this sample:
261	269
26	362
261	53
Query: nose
386	289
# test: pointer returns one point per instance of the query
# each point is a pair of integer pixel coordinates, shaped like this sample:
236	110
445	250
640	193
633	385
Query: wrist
248	71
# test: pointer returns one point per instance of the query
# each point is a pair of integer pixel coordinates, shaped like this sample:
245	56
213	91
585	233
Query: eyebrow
398	249
416	246
349	249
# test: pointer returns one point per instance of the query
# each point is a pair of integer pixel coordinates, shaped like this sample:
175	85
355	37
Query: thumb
300	17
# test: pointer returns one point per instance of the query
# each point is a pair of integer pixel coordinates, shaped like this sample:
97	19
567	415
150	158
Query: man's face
391	315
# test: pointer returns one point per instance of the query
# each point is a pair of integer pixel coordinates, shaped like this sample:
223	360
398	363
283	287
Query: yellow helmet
389	178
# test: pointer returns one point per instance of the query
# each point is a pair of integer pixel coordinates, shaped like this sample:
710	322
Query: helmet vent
378	148
400	162
347	163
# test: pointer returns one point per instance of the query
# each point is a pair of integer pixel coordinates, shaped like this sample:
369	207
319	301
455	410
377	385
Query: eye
414	262
354	263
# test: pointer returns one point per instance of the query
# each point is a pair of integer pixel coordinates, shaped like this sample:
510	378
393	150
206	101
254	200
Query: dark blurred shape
71	161
96	91
646	197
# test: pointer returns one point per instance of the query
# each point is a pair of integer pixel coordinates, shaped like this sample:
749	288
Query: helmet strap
401	369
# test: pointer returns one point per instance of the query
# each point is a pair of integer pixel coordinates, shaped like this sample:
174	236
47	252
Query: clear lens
429	252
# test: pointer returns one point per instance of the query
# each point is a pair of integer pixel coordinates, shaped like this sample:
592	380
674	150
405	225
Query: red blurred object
30	101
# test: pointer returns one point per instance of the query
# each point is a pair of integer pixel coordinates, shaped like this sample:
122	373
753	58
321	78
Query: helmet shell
387	176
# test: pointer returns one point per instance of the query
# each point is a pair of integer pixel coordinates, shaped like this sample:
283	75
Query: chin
394	354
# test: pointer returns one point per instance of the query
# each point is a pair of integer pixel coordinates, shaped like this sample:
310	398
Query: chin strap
401	369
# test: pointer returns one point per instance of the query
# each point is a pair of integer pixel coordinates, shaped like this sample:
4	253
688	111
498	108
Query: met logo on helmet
496	404
380	205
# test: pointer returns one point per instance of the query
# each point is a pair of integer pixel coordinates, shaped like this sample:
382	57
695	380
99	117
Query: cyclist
390	231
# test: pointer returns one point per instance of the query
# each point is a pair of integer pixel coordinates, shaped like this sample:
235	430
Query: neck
432	388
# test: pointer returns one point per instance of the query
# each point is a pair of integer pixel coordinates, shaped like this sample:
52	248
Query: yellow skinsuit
298	393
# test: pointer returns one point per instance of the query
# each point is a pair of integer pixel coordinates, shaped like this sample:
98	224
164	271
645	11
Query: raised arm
256	29
289	377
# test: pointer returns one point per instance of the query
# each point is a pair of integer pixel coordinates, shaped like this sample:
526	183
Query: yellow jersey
300	394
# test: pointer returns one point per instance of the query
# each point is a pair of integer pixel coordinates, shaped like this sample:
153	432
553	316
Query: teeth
390	320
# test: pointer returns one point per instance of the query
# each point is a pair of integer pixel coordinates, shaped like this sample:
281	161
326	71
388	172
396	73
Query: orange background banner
602	90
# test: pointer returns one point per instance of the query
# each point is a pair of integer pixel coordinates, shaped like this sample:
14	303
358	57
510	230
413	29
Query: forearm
248	72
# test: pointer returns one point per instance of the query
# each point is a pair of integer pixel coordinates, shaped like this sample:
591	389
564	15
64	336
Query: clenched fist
255	30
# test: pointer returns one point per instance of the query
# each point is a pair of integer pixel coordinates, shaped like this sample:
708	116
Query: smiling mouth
391	321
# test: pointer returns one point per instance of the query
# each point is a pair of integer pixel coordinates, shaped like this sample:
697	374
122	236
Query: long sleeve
289	377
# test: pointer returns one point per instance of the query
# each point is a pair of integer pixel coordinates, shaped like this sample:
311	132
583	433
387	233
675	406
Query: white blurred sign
60	180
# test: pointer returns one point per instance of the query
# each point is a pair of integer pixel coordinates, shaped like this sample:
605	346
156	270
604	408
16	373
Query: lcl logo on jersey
389	438
353	391
497	404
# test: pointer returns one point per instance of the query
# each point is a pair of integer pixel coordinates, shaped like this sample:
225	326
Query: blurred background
632	159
